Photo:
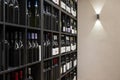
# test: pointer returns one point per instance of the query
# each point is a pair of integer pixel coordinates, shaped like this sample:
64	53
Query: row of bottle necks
15	53
31	75
51	21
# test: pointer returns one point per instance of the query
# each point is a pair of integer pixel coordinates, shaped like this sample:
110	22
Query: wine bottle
44	46
48	45
48	17
75	75
16	76
56	21
75	60
29	74
63	65
67	43
75	27
16	50
63	24
71	26
10	11
7	46
68	25
6	10
29	48
53	21
33	47
1	68
36	13
62	43
67	62
21	49
16	12
55	69
1	10
20	75
36	48
29	12
55	49
71	43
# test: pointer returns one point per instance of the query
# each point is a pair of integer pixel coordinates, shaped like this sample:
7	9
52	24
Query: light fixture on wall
98	16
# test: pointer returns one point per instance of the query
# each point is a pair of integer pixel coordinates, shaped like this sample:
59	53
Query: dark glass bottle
29	74
16	76
55	44
29	48
1	58
10	11
63	65
7	46
63	24
36	48
20	75
48	12
1	10
6	10
16	12
36	13
48	45
29	13
68	25
33	46
16	50
21	49
67	43
62	43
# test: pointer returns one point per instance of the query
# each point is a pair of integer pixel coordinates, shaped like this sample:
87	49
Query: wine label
56	1
64	28
62	49
67	9
55	37
53	51
72	47
39	52
63	5
64	68
75	63
70	64
61	70
72	11
75	78
56	51
72	31
68	30
67	48
68	67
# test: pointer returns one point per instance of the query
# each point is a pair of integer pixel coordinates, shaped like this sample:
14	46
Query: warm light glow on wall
98	30
98	26
98	10
97	5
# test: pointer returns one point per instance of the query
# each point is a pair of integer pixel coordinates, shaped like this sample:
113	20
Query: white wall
99	44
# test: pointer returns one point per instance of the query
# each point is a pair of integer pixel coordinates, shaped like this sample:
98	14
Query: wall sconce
98	16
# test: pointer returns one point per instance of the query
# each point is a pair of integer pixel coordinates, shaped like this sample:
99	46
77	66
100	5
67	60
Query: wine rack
38	40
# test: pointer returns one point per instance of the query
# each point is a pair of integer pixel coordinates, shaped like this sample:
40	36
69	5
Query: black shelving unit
38	39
